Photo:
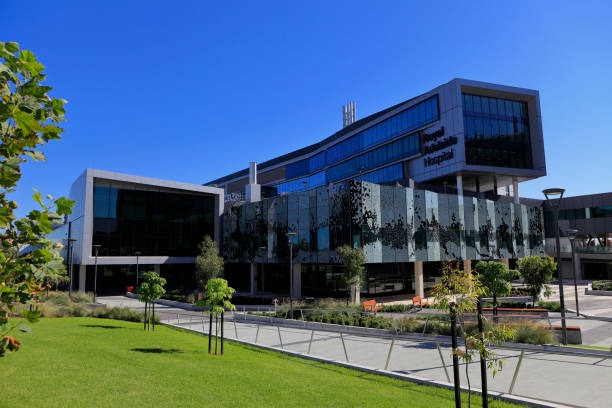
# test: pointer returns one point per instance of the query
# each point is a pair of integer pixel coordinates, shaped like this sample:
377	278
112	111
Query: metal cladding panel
451	239
372	245
400	225
433	226
387	222
470	232
303	217
410	224
323	225
420	226
395	224
484	225
503	231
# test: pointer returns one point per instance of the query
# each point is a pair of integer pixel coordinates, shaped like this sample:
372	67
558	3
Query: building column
515	191
467	265
297	280
506	262
459	184
252	280
418	279
82	277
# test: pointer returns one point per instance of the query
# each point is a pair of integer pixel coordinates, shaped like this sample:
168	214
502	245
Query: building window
496	132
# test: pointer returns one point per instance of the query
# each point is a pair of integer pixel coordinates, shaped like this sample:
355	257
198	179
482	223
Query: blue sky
191	91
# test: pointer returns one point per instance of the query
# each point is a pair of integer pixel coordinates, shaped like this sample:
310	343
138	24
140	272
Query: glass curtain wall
150	222
496	132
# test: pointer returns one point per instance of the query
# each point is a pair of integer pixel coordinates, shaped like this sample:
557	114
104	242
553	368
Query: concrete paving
574	380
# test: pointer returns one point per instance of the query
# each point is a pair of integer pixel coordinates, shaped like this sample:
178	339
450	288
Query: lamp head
552	193
571	233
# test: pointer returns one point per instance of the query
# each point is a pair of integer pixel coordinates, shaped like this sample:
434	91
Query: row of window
494	108
386	174
496	132
302	184
396	150
410	119
582	213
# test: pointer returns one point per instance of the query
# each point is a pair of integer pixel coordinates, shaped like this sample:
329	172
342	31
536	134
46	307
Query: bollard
279	337
344	347
389	355
310	343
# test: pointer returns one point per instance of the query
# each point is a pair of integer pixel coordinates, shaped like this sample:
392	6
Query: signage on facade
431	144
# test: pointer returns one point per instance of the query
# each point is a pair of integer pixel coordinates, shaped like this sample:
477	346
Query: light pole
265	250
71	256
137	255
552	193
290	235
571	234
96	247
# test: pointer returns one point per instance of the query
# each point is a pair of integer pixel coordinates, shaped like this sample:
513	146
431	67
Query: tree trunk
210	332
145	317
153	315
495	307
216	331
222	333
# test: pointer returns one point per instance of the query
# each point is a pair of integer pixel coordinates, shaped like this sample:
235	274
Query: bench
417	301
370	306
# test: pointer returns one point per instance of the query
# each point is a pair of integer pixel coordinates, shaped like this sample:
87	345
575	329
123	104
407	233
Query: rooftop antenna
348	114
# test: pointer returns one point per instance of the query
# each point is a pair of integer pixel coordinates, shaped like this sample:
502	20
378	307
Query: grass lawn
88	362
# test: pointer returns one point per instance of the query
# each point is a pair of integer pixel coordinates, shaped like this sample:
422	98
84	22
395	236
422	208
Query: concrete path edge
531	402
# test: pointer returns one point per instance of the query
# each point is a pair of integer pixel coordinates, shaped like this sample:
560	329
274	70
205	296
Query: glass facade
151	222
496	132
390	173
314	181
581	213
410	119
390	152
306	166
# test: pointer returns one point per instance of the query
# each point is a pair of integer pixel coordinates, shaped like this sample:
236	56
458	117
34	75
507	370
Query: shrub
602	285
531	333
509	304
552	306
396	308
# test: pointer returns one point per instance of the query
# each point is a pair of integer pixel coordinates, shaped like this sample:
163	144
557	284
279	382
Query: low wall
597	292
574	335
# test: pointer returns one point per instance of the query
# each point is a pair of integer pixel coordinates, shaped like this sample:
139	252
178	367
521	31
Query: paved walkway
573	380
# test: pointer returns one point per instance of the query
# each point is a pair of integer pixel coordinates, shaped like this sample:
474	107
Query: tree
28	119
151	289
209	264
353	260
495	278
217	298
537	272
458	293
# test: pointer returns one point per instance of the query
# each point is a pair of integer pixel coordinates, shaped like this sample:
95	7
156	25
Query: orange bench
417	301
370	306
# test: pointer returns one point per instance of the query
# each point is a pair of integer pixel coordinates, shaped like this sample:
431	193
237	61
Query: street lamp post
265	250
71	256
571	234
96	247
552	193
137	255
290	235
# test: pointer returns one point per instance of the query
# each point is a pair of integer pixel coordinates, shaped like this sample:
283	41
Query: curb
406	377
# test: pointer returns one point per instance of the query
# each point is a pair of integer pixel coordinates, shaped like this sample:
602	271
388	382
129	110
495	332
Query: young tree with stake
151	289
217	299
353	260
495	279
537	272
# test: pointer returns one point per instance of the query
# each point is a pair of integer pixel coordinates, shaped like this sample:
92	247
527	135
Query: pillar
419	290
297	280
459	185
506	262
467	265
515	191
82	277
253	282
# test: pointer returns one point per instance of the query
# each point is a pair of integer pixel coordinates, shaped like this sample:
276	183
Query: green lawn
88	362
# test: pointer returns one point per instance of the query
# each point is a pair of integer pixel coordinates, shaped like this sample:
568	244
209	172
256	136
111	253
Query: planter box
541	313
574	335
